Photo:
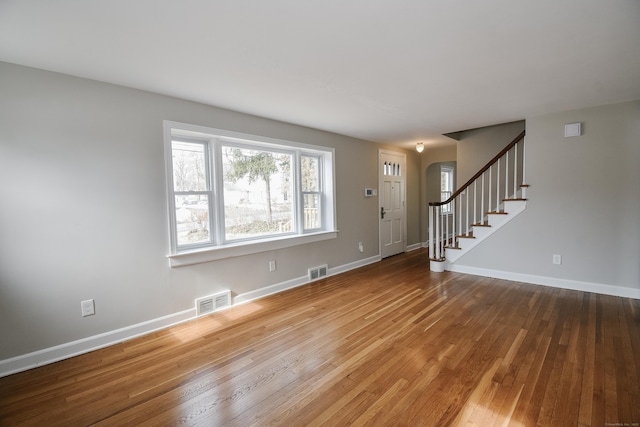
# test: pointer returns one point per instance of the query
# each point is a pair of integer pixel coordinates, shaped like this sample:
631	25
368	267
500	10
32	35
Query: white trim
353	265
413	247
216	247
299	281
269	290
214	253
576	285
95	342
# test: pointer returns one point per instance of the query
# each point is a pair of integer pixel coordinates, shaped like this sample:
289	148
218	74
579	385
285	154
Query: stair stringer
512	208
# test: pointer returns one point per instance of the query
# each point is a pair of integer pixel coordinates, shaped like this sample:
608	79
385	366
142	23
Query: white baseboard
298	281
353	265
413	247
269	290
598	288
85	345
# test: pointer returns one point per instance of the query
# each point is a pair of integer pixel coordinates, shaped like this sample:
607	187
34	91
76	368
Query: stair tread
514	200
480	225
524	185
453	247
471	236
497	213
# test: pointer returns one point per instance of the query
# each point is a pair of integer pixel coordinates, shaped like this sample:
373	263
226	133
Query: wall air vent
318	272
213	303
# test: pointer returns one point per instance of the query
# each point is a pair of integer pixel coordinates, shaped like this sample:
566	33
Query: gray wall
430	156
584	201
83	206
84	214
433	180
477	147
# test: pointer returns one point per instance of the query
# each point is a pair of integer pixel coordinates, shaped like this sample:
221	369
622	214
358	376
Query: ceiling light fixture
419	147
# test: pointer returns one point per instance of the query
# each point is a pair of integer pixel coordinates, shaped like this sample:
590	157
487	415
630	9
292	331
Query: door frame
404	195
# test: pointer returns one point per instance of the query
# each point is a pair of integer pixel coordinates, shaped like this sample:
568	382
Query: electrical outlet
557	259
272	266
88	308
360	247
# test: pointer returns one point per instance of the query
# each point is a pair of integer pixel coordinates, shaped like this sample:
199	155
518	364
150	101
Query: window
256	186
311	194
229	190
446	186
192	191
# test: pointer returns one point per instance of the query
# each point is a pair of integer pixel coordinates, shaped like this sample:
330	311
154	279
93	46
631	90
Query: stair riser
514	206
495	221
481	232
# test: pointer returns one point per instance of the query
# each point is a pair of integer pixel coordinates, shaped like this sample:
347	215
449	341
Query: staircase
495	195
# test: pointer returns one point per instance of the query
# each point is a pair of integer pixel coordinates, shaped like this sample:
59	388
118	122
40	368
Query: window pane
192	219
310	169
312	211
257	193
446	179
189	166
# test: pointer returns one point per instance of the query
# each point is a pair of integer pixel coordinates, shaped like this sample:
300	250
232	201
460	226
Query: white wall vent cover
213	303
318	272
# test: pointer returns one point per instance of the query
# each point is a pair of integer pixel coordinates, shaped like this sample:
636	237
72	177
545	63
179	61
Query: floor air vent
213	303
316	273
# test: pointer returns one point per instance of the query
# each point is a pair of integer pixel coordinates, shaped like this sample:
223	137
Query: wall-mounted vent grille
319	272
213	303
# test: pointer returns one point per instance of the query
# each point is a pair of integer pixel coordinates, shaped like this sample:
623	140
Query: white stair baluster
466	223
498	188
515	171
524	167
454	243
443	224
460	214
490	188
482	201
506	176
475	200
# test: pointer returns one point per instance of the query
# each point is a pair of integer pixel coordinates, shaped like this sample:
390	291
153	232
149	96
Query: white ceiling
395	71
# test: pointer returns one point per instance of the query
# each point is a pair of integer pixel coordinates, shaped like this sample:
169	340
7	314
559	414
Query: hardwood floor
387	344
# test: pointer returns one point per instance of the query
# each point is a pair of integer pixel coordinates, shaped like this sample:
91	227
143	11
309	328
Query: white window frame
449	170
217	248
320	192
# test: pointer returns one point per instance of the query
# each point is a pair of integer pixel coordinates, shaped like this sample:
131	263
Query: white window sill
198	256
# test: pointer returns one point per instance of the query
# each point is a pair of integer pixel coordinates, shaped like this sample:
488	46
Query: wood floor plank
631	338
391	343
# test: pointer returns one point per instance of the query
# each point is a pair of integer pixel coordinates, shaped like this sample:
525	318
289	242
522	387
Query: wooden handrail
481	171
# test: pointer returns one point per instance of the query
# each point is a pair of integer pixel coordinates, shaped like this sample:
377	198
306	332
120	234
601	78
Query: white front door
392	216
